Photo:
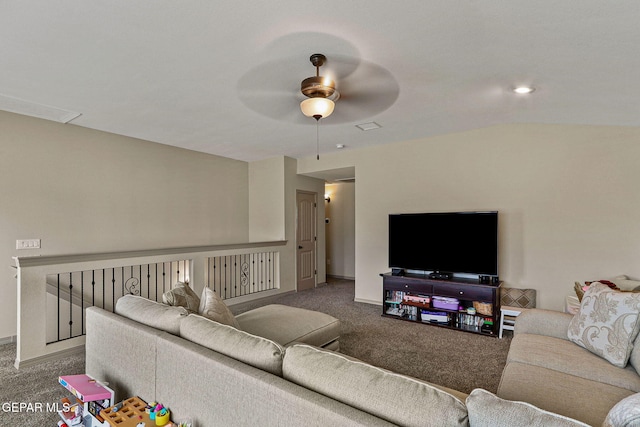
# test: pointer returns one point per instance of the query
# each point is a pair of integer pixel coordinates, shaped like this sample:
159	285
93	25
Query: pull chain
317	117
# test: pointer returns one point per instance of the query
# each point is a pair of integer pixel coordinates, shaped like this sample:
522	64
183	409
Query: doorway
340	232
306	239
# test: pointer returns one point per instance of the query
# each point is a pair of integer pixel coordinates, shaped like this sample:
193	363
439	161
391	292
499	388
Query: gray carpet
455	359
35	385
459	360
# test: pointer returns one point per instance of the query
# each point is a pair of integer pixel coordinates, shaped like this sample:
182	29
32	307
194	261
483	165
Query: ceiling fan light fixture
317	107
320	91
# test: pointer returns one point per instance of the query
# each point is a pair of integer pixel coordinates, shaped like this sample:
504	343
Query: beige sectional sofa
274	371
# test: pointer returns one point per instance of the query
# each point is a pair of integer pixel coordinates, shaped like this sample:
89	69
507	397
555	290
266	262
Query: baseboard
368	301
49	357
333	276
8	340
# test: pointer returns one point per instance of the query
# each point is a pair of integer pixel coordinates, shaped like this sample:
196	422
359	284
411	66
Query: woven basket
579	292
483	308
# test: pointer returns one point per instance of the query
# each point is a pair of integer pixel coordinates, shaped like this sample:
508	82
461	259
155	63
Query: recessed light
524	90
340	146
368	126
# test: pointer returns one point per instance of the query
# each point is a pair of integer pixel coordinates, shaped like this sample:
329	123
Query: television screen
452	242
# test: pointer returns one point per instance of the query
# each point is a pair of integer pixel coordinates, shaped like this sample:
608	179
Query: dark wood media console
444	303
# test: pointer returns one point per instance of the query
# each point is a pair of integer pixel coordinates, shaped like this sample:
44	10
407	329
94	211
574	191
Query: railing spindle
70	305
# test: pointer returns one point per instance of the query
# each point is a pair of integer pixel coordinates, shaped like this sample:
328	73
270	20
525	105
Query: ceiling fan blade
270	91
367	91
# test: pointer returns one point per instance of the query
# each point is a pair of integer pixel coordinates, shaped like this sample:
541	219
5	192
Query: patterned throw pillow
607	323
214	308
182	295
626	413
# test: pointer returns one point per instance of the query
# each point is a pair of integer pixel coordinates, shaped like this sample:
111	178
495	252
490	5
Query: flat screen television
451	242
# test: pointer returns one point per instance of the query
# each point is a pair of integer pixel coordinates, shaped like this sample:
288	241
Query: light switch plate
28	244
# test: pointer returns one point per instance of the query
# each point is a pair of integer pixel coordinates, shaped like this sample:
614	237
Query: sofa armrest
543	322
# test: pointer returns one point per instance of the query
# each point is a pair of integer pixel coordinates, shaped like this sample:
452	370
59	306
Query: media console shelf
462	304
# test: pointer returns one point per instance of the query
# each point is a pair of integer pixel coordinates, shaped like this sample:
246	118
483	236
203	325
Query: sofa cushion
286	325
538	321
488	410
626	413
396	398
183	296
213	307
256	351
564	356
151	313
607	323
578	398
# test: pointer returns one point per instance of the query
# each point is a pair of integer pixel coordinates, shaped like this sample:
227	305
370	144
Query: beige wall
267	200
340	231
81	190
273	184
568	198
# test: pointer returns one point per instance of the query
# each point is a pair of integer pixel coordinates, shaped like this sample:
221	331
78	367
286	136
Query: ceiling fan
357	88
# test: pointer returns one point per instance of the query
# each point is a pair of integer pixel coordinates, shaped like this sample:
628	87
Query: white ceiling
223	77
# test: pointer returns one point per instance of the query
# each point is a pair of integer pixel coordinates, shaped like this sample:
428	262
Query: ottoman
286	325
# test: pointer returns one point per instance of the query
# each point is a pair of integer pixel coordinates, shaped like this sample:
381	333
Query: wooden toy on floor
131	414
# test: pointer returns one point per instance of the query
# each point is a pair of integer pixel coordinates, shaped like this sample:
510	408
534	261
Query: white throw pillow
626	284
607	323
214	308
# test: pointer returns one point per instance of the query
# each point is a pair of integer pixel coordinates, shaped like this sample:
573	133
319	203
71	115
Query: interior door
306	239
